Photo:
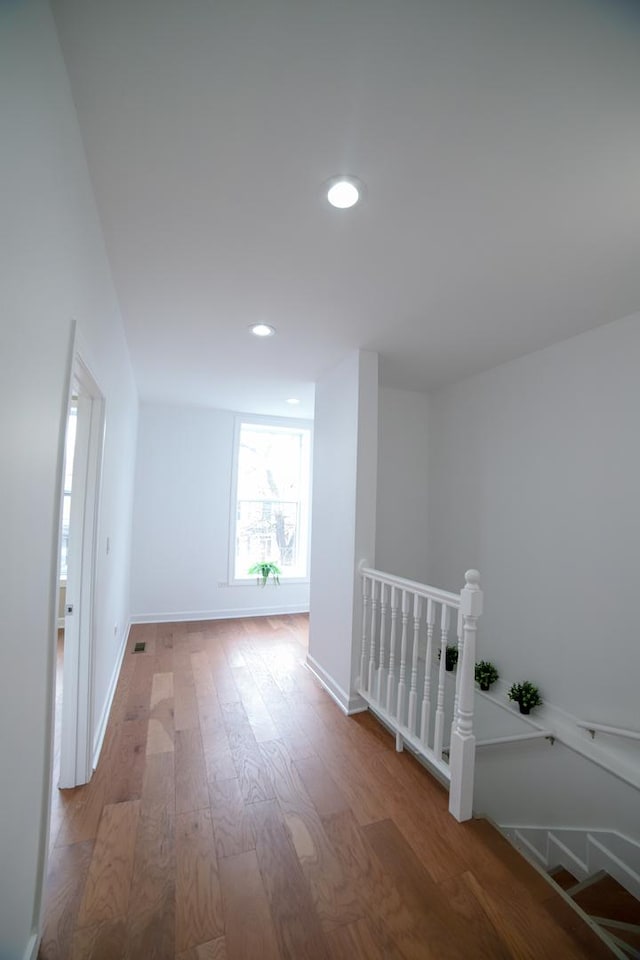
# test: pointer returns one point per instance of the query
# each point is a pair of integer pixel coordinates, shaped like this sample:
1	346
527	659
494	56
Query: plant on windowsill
451	656
525	694
486	674
265	569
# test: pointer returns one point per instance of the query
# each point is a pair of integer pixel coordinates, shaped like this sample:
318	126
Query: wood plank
158	785
151	918
427	905
106	895
213	950
321	787
333	897
232	824
127	771
357	941
199	915
139	694
251	772
67	873
297	926
244	896
391	919
191	775
184	694
100	941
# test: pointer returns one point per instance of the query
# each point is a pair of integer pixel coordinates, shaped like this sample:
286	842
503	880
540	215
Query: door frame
76	746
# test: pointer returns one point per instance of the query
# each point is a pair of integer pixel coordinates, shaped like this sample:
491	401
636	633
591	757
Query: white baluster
463	741
413	689
403	665
363	646
460	635
425	719
439	724
372	637
383	627
391	679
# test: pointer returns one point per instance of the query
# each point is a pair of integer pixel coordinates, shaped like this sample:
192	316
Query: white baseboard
104	718
31	949
232	614
348	704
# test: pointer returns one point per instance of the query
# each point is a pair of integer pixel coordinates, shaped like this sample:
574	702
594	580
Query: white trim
104	719
187	615
31	949
348	704
78	666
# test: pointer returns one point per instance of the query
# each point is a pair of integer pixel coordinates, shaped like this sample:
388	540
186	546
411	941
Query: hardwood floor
236	814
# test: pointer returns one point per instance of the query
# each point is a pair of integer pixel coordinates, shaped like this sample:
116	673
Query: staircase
608	904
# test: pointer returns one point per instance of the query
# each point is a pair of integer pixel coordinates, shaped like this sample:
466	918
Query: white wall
401	517
535	784
344	514
52	267
534	478
181	522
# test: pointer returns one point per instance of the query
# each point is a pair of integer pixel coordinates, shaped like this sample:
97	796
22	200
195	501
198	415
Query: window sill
251	582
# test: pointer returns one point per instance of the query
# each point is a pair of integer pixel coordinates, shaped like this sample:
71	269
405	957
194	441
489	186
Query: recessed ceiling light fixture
344	191
293	401
262	330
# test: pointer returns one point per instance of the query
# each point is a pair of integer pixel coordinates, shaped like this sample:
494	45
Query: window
272	487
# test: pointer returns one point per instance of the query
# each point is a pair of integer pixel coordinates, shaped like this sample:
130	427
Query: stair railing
404	623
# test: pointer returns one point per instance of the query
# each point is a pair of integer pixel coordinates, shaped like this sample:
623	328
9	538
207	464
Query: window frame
293	423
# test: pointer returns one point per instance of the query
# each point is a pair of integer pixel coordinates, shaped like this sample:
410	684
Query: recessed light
293	401
343	192
262	330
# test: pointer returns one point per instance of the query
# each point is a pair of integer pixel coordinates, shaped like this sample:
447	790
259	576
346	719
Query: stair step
563	878
608	898
629	933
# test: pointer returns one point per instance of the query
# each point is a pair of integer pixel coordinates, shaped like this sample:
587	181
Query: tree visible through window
272	503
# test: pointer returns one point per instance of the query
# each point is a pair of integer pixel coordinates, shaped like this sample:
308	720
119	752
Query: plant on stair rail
450	657
486	673
525	694
265	569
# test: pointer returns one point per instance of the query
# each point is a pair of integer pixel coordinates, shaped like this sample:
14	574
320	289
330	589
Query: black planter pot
524	709
485	686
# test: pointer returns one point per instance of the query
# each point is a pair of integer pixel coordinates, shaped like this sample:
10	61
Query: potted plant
450	657
265	569
486	674
526	695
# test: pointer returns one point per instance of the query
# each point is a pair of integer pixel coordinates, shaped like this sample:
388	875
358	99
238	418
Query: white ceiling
499	141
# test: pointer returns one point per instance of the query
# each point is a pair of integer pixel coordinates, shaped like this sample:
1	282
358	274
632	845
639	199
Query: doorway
73	746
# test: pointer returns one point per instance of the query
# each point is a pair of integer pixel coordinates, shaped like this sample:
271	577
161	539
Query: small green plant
486	674
526	695
265	569
450	658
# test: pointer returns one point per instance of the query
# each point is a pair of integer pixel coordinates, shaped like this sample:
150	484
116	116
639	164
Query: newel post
463	741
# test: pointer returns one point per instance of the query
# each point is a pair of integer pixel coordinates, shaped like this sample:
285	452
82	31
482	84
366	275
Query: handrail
421	589
538	735
594	728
